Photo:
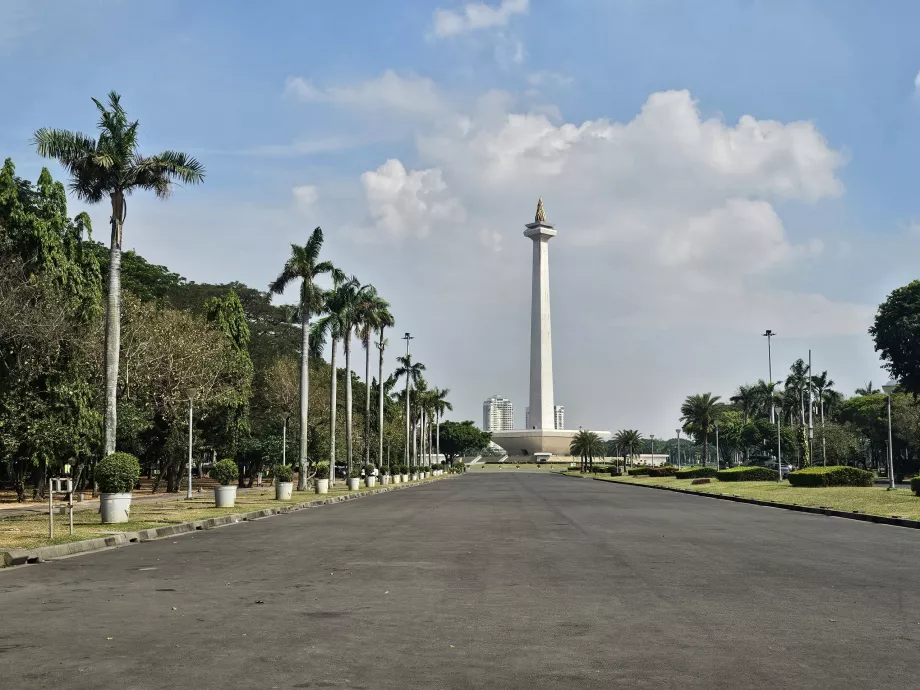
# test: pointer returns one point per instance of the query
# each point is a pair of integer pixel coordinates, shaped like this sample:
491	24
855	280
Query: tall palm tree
305	266
412	371
797	383
867	390
371	311
418	419
111	166
747	401
384	320
353	296
332	325
587	445
699	414
823	385
441	405
629	441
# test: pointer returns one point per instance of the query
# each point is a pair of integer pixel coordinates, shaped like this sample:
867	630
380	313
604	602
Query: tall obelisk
541	337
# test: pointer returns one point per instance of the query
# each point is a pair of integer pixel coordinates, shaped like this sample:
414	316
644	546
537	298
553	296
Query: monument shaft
541	337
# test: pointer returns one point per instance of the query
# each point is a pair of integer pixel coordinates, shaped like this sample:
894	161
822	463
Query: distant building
497	414
558	417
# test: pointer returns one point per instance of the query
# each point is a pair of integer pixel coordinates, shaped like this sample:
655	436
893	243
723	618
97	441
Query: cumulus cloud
409	202
305	195
390	91
476	16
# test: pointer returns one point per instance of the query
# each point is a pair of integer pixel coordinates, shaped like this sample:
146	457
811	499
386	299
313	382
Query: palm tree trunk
304	390
367	402
380	409
437	437
429	444
332	397
408	458
706	447
823	443
113	326
348	440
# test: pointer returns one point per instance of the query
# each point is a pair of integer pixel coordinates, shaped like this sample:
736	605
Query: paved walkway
504	580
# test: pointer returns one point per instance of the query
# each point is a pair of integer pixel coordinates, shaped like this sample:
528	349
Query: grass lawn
872	500
32	531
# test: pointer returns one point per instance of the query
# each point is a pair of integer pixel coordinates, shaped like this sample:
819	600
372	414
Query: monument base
545	442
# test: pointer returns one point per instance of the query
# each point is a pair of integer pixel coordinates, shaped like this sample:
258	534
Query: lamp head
890	387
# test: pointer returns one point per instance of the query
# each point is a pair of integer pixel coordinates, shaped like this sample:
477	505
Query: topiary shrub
915	486
747	474
663	471
833	475
638	471
117	473
696	472
322	470
225	471
283	473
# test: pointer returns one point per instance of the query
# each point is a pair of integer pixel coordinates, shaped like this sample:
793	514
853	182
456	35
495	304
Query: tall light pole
769	335
773	416
811	404
889	389
717	445
407	338
190	392
678	448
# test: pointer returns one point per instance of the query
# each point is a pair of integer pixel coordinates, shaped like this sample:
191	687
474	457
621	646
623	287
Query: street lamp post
678	448
717	446
191	392
407	338
889	389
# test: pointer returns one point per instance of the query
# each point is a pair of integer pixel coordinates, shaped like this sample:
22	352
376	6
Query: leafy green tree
305	266
699	414
462	438
111	166
896	331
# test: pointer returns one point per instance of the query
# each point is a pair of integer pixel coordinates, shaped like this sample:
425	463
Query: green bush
322	470
915	486
117	473
355	472
696	472
833	475
283	473
638	471
225	471
663	471
747	474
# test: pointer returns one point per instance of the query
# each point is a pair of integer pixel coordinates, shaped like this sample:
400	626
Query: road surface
493	580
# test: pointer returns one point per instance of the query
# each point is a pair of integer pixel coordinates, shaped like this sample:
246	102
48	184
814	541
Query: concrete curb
14	557
830	512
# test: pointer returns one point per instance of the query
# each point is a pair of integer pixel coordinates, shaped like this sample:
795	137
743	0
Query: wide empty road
498	580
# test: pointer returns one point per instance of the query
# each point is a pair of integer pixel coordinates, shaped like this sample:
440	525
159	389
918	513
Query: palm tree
867	390
353	296
747	401
587	445
111	166
797	382
441	405
629	441
373	314
418	419
823	385
699	414
305	266
413	373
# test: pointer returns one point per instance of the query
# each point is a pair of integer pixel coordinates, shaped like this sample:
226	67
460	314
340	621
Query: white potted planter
385	479
370	480
226	472
284	485
116	475
354	483
405	477
322	486
414	476
397	478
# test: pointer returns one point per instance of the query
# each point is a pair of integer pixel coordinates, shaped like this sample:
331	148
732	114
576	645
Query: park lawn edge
863	516
38	554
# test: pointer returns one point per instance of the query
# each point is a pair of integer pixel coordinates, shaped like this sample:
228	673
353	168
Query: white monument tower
542	410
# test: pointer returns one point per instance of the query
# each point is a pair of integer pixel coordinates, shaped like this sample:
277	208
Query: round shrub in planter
747	474
915	486
116	475
354	479
696	473
226	473
322	478
370	479
832	475
284	484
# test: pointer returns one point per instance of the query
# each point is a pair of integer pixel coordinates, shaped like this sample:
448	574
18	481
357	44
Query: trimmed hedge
747	474
915	486
696	472
638	471
225	471
117	473
663	471
834	475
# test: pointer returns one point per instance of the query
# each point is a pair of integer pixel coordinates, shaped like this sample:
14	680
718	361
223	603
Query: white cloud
409	94
548	78
476	16
306	147
305	195
409	202
917	82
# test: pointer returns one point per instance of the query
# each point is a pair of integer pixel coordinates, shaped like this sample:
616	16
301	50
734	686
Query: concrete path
492	580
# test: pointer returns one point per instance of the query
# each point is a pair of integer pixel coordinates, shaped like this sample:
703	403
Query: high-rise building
497	414
558	417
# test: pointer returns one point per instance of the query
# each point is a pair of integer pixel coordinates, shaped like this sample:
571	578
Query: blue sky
676	246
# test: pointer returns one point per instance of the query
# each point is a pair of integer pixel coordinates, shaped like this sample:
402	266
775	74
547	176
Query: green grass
31	531
871	500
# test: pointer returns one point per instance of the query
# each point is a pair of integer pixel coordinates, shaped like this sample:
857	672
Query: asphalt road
504	580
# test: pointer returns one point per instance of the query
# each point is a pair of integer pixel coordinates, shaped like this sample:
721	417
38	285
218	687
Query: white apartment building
558	417
497	414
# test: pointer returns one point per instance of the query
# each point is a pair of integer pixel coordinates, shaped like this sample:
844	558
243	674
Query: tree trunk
348	420
823	443
408	457
367	403
304	388
438	437
113	325
380	409
706	447
332	396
